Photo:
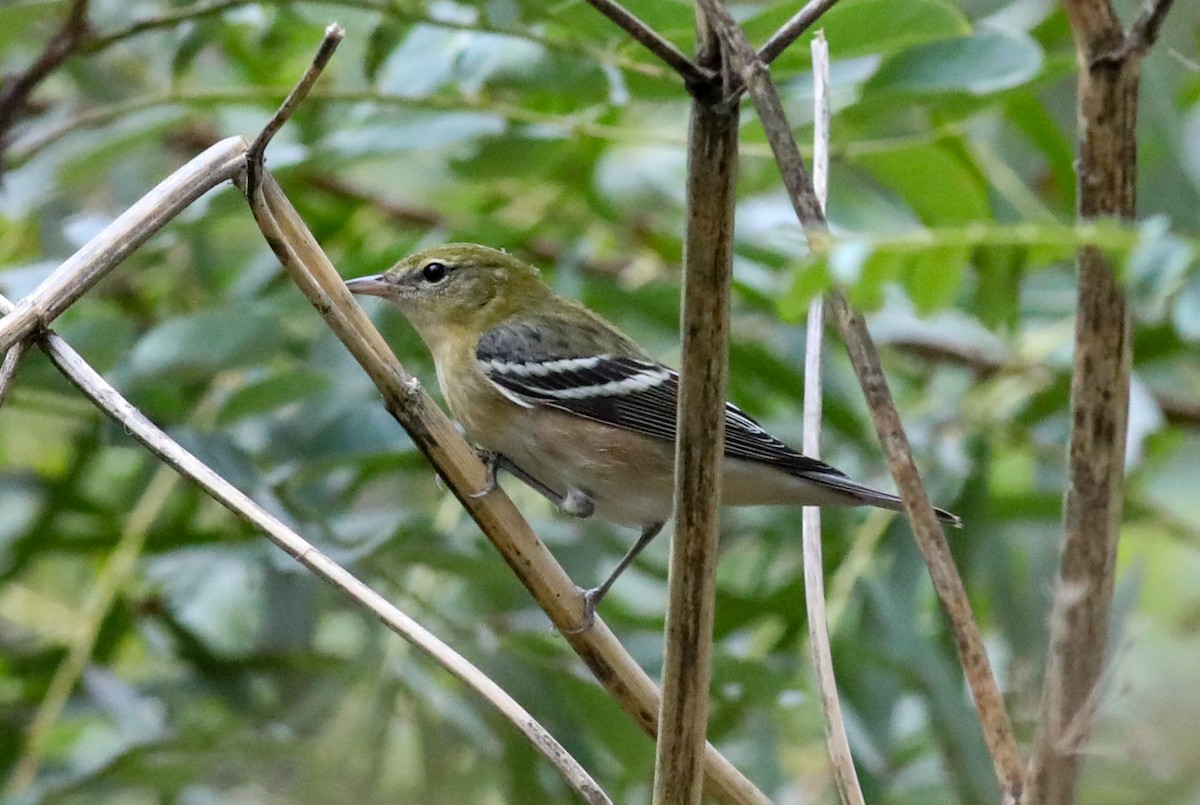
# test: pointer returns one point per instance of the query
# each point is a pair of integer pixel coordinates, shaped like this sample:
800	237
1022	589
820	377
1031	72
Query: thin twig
120	238
8	369
997	729
840	758
256	155
1142	34
692	73
15	90
700	442
793	29
109	400
459	466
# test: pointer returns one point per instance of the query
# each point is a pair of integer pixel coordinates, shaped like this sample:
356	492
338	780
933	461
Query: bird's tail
862	495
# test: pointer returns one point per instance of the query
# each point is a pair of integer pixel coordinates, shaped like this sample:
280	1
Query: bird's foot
590	599
491	463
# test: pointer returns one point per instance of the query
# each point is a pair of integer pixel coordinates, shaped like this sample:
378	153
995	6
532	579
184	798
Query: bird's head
458	285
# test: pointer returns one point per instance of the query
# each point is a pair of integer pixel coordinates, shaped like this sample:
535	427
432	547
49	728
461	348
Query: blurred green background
224	673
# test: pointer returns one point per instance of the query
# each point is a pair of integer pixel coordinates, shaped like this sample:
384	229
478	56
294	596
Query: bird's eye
434	272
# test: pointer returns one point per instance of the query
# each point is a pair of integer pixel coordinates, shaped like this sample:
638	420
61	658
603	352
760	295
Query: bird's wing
629	392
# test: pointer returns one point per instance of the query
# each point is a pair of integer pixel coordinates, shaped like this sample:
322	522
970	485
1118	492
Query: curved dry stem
8	369
110	401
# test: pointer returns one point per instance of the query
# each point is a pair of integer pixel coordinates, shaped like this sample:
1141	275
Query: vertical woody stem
1109	69
708	258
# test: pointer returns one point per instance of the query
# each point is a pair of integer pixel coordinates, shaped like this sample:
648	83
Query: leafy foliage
222	673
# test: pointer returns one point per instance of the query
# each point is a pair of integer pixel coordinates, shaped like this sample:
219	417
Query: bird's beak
373	285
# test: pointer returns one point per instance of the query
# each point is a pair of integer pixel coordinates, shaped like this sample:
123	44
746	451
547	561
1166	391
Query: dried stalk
693	74
119	239
110	401
840	758
989	704
793	29
700	442
1109	62
8	369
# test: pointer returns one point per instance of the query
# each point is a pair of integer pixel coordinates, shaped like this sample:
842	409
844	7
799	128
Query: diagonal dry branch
458	464
693	74
110	401
989	704
8	369
432	432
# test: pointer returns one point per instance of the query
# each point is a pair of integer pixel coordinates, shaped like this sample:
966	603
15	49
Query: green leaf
940	183
985	62
204	343
934	276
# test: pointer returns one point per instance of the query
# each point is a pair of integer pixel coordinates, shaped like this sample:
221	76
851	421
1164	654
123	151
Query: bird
560	398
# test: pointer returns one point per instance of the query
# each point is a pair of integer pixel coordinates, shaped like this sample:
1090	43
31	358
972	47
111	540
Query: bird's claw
491	463
590	600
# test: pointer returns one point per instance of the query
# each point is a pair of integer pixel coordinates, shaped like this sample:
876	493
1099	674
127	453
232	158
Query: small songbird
565	401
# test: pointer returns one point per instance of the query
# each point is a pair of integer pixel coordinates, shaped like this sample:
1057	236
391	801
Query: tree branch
700	442
1109	72
8	369
793	29
120	238
15	90
693	74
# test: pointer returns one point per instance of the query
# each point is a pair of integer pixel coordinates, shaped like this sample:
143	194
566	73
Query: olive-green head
458	285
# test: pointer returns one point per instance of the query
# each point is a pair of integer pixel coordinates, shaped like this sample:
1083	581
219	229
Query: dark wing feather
634	393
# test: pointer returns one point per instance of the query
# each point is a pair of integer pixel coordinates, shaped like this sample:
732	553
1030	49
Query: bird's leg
592	597
575	503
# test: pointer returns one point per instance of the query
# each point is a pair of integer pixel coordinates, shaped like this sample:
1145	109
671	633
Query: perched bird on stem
573	407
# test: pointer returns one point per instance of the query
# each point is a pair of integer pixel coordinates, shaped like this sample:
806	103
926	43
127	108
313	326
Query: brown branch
1142	34
15	90
8	369
257	153
1109	71
693	74
997	729
700	443
793	29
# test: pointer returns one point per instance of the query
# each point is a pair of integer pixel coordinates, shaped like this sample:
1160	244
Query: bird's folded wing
632	393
